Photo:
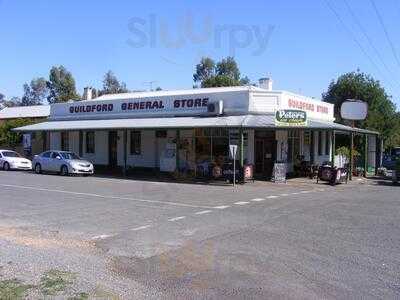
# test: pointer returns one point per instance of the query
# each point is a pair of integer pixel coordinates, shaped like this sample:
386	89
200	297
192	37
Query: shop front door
112	149
265	155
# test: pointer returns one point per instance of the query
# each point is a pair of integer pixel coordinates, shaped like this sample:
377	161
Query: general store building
191	130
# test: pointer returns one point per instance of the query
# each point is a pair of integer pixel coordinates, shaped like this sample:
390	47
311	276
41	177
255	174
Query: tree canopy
10	138
111	85
61	85
35	93
382	115
223	73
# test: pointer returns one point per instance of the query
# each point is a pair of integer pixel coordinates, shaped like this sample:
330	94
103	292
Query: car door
1	160
44	160
55	162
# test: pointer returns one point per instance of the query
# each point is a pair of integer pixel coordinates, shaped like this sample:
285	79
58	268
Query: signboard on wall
315	109
290	117
191	104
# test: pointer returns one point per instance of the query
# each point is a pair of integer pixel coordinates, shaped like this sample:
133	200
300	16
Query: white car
11	160
62	162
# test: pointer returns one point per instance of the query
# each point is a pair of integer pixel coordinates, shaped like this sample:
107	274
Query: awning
243	121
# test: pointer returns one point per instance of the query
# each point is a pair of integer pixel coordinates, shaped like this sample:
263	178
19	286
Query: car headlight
75	165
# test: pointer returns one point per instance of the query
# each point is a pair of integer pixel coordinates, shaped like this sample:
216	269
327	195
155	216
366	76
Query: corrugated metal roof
245	121
36	111
180	92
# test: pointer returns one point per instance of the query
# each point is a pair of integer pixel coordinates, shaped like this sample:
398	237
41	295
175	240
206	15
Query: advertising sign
354	110
291	117
26	141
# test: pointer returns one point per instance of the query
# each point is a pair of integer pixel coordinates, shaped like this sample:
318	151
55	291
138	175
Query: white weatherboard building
191	130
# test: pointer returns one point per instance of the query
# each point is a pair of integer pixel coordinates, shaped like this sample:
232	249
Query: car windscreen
10	154
69	155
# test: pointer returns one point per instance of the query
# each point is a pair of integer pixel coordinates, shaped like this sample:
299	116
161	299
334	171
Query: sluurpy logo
155	31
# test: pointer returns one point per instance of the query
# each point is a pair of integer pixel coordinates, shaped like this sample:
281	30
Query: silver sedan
62	162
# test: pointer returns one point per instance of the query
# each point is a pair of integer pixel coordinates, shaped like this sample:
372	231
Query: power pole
150	84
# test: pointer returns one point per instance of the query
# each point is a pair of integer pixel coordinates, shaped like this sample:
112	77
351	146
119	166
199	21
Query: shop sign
291	117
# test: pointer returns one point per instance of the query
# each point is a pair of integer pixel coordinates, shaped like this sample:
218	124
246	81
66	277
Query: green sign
291	117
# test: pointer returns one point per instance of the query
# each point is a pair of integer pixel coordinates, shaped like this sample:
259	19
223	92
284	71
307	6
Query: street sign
233	151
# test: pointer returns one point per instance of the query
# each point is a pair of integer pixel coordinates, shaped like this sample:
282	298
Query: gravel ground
124	239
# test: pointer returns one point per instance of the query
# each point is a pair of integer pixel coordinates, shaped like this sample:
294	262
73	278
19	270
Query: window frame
64	137
90	148
135	149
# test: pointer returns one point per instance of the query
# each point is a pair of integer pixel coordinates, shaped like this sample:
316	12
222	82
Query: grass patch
13	289
80	296
55	281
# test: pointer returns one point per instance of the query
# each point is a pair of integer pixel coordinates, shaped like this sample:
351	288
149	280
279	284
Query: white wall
55	140
100	157
319	159
147	154
74	141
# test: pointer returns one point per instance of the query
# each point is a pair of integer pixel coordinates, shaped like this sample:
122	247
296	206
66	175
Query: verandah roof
243	121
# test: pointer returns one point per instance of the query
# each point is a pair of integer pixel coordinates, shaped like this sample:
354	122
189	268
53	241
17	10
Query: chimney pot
265	83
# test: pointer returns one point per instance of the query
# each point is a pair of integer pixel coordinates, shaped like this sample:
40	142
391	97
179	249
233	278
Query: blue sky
307	46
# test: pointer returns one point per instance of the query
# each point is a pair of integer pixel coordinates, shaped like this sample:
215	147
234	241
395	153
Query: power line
371	43
352	35
378	14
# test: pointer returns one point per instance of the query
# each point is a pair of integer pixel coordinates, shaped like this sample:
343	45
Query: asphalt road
140	240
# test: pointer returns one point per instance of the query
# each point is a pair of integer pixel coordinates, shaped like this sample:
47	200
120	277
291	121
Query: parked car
62	162
11	160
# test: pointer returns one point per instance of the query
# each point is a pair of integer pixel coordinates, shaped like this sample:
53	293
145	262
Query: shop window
136	143
320	143
64	141
90	142
161	134
293	145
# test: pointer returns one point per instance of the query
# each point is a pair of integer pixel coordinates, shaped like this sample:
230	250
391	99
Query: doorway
112	149
265	153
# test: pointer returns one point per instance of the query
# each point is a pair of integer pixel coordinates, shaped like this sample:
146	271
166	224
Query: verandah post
351	155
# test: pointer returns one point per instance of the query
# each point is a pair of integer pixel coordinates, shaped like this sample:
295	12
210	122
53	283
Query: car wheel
38	169
6	166
64	171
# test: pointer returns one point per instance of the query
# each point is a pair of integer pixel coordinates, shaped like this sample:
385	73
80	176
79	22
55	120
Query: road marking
295	193
272	197
141	227
101	237
176	219
284	195
242	203
305	192
222	207
203	212
258	199
105	197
